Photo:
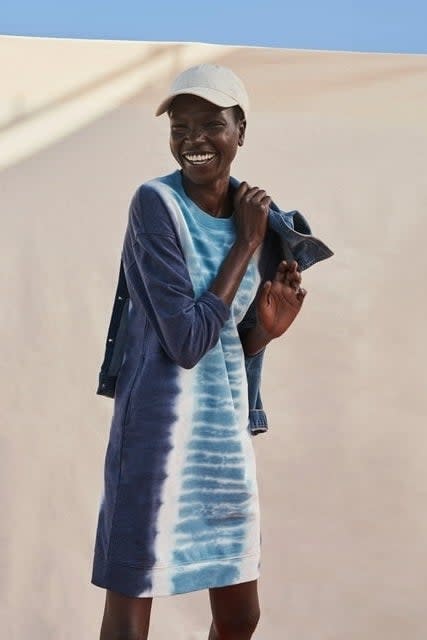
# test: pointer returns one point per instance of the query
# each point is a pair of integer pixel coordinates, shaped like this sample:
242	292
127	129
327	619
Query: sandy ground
342	471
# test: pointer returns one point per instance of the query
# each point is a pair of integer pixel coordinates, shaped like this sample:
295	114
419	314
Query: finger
291	276
266	201
240	192
265	292
258	195
281	271
295	280
301	293
288	272
250	194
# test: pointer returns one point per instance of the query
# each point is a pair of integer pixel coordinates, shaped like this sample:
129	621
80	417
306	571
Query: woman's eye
214	125
178	129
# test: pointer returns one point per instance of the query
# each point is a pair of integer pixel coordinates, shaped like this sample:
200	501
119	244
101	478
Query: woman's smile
198	158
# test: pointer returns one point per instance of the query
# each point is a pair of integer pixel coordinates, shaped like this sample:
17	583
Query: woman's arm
158	278
251	215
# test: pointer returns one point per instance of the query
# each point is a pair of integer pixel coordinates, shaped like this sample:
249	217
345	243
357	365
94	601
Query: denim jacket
288	238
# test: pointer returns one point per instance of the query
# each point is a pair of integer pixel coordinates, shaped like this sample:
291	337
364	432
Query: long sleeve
158	278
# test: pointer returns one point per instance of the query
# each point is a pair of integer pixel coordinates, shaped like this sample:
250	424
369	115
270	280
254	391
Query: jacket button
110	339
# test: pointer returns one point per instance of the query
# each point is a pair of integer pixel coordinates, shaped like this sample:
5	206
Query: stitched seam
122	434
182	564
153	233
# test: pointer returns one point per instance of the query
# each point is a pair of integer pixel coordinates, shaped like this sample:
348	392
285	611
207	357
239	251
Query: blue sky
353	25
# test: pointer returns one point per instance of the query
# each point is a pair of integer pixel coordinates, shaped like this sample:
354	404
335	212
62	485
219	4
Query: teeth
199	157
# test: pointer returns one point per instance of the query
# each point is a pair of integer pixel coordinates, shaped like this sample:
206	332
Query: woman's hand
251	206
278	303
251	216
280	300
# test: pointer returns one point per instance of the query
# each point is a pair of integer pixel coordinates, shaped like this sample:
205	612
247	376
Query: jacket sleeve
158	279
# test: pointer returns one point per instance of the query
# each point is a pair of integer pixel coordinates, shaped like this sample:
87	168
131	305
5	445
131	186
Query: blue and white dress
179	510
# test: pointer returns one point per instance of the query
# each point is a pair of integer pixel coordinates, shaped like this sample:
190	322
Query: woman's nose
196	133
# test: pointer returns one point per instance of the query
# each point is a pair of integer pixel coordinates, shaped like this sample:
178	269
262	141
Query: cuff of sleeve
257	421
216	304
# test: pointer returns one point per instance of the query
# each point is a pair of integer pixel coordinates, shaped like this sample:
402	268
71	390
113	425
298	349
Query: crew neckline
203	217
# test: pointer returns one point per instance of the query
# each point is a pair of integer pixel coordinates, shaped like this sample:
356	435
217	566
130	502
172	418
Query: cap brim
211	95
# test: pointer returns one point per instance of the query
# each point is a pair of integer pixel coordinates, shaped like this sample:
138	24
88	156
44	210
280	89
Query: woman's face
204	138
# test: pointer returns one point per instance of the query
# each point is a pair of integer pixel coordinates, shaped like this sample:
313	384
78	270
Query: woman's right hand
250	215
251	206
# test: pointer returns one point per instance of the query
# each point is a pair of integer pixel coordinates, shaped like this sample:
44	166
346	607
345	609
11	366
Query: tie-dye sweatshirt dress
179	510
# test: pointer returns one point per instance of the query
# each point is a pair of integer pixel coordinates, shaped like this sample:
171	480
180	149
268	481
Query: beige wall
342	137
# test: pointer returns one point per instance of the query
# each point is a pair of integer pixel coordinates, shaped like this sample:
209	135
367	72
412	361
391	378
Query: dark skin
204	140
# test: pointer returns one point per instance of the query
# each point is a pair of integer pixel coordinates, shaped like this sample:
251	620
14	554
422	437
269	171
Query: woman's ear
242	130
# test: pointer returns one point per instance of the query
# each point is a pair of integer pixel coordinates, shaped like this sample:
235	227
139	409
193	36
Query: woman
180	507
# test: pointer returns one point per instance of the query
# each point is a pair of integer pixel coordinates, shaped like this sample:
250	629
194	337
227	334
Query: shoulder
151	208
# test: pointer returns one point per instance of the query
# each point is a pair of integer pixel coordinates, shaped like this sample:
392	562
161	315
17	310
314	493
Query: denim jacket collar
294	233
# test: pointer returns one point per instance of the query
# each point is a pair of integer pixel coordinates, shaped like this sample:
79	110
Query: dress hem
135	582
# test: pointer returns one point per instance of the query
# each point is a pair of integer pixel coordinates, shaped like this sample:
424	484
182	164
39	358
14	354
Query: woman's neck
214	198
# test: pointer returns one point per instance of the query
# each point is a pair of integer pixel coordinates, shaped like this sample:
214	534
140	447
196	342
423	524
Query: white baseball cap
212	82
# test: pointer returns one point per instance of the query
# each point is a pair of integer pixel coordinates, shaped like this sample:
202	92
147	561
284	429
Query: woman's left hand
280	300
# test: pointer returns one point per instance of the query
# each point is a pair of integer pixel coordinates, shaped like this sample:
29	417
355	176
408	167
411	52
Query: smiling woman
204	140
180	505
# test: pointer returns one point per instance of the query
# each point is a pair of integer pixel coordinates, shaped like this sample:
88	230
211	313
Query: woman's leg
235	611
125	618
